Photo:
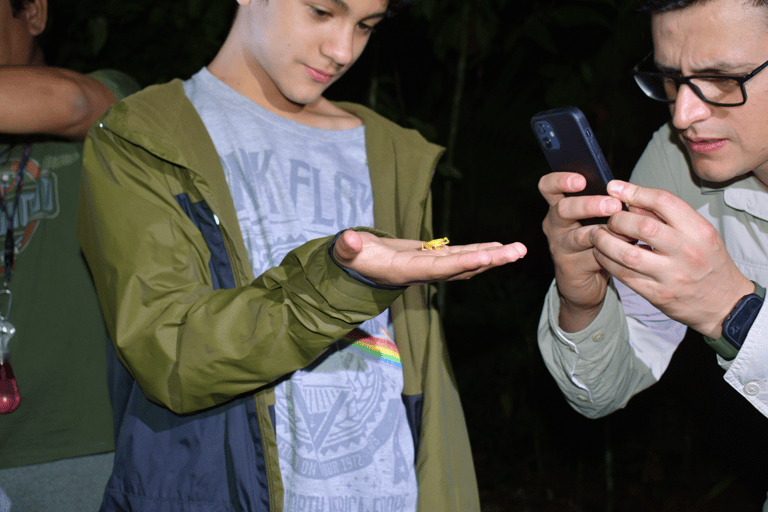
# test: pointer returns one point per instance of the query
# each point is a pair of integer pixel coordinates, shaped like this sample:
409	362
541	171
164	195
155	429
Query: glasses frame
686	80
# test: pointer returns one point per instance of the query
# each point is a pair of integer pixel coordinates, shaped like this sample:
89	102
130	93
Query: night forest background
469	75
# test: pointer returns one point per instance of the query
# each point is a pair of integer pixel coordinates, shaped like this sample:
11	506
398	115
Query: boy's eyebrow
341	4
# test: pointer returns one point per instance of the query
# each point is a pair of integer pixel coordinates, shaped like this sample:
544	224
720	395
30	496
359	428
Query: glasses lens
719	90
657	87
716	90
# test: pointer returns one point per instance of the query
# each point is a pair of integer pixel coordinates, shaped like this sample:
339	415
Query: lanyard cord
10	244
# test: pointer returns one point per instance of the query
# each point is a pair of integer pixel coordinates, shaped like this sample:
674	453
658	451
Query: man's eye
724	83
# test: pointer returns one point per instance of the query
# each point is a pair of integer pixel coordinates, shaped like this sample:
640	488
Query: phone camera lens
540	128
547	142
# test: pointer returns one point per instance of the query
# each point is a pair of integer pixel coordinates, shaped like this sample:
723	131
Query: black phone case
569	145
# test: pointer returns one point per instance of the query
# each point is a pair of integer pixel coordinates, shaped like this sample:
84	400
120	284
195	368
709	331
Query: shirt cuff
748	372
589	340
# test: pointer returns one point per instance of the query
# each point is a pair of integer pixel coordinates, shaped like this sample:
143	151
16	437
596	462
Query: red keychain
9	390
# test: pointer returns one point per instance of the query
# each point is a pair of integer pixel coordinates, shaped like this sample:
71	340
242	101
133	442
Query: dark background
469	75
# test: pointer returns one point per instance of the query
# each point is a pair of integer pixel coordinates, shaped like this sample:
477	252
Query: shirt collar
746	195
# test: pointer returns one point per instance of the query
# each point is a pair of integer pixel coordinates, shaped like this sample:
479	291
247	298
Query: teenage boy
617	311
322	383
53	398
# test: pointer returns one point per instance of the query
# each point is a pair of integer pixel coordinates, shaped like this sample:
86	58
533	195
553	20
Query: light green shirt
630	343
58	351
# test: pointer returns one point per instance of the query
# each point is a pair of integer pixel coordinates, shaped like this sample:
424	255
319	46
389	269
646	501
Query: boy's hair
394	5
654	6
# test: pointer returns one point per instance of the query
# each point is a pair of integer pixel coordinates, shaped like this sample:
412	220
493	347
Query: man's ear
35	14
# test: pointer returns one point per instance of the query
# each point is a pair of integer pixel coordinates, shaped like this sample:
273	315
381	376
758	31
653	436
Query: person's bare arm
51	101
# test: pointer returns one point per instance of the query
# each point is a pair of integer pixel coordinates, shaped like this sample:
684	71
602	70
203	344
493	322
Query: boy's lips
318	75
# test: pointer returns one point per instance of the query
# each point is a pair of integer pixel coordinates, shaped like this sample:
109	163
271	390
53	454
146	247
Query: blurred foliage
470	75
153	41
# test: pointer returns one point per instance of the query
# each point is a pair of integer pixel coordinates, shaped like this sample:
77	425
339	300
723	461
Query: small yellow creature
434	244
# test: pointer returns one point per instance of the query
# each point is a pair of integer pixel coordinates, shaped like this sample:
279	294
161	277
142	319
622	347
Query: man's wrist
574	317
737	324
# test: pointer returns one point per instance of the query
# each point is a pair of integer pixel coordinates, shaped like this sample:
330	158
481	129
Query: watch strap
759	290
722	347
730	342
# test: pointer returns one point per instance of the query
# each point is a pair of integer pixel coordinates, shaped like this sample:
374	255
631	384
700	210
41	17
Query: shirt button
582	398
598	337
752	388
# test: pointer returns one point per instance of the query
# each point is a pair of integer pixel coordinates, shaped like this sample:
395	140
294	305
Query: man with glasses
691	250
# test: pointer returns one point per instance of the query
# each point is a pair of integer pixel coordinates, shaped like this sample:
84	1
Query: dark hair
394	5
654	6
17	6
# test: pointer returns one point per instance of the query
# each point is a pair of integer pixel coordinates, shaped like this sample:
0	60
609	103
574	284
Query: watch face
737	324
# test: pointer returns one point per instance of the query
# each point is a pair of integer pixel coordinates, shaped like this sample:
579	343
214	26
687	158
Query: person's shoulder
328	115
666	139
664	147
156	105
388	128
121	84
167	95
158	118
370	117
664	163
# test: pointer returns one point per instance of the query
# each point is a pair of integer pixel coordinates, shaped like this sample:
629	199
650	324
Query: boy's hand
398	262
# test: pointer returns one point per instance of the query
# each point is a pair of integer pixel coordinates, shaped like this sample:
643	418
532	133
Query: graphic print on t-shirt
332	413
341	428
342	433
293	200
338	418
39	200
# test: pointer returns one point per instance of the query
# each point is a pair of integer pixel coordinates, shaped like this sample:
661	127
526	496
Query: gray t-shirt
342	433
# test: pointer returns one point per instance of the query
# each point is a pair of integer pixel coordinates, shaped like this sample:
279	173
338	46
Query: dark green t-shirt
58	351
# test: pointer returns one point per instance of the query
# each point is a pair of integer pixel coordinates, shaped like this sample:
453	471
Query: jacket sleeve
191	347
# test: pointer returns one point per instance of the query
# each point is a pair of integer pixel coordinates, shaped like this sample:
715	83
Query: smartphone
570	145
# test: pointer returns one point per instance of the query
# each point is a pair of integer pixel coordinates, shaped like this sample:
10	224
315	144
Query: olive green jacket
194	343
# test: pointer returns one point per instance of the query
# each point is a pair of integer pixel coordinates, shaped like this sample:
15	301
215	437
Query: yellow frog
434	244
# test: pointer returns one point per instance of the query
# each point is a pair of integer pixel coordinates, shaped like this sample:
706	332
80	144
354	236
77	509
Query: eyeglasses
719	90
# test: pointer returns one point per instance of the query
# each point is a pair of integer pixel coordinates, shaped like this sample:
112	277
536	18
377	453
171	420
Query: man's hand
396	262
681	265
581	281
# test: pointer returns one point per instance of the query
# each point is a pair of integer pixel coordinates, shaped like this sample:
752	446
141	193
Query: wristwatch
737	324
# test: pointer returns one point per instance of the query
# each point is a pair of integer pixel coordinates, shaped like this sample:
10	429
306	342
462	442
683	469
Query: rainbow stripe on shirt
373	347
